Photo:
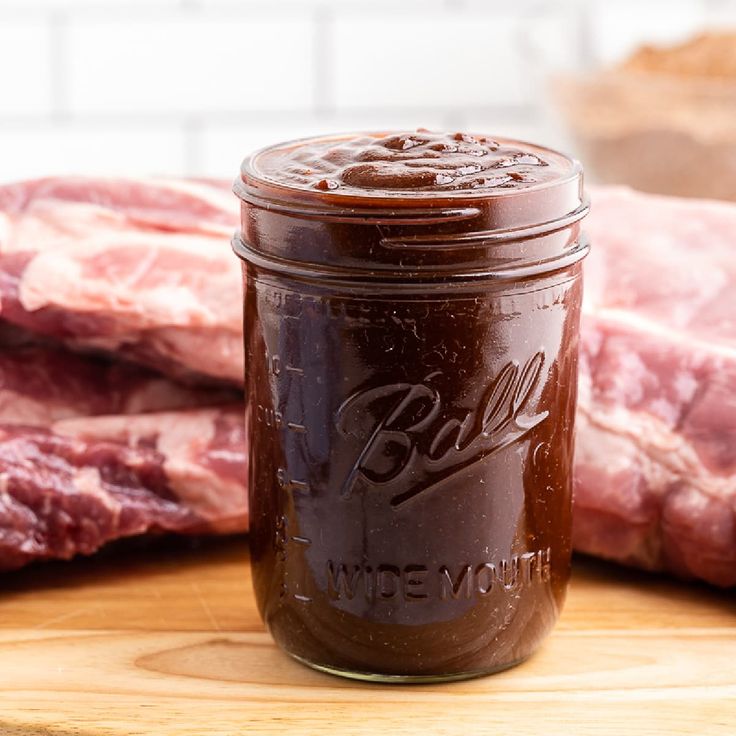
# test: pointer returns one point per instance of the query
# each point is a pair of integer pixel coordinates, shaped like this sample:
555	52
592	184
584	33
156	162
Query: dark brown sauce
422	162
412	439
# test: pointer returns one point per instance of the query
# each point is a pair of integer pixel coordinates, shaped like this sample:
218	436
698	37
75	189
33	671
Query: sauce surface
422	163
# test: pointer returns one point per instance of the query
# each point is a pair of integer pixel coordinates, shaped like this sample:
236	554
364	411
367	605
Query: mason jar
411	318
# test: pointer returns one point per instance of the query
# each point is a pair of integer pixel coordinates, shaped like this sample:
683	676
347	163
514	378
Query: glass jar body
410	476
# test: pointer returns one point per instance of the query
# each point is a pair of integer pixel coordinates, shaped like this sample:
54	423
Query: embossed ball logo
412	440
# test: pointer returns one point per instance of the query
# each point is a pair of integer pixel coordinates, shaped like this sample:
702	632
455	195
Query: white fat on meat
213	353
143	285
185	439
40	384
87	480
116	263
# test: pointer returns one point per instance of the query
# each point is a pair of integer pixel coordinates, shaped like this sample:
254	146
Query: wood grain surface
164	638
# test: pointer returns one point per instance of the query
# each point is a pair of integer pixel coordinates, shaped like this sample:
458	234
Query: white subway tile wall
190	65
25	63
460	61
188	87
97	149
617	30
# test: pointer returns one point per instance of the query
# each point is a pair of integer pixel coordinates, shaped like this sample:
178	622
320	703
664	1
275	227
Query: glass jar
411	380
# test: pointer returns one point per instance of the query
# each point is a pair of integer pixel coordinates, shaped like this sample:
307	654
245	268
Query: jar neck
510	236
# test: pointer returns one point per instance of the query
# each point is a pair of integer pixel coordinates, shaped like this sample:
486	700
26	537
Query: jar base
384	679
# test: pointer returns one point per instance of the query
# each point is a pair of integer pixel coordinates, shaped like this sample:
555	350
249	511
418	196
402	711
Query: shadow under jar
412	303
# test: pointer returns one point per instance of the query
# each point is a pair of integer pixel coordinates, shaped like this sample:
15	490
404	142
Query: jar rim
254	185
493	233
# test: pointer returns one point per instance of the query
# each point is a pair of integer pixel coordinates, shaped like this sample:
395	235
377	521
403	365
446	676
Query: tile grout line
193	153
58	25
322	58
584	21
264	116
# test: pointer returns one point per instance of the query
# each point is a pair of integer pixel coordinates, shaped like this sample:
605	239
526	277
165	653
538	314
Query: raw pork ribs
655	473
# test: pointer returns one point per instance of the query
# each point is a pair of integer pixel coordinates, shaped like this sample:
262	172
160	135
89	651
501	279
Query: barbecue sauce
411	318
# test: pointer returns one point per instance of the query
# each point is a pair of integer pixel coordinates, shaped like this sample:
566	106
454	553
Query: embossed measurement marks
284	542
274	418
288	545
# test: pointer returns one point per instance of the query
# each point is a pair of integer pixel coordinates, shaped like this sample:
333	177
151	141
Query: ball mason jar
411	384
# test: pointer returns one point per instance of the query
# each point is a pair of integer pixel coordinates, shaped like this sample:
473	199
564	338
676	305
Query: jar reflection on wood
411	377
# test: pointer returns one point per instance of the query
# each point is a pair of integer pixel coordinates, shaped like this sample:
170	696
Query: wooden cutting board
166	639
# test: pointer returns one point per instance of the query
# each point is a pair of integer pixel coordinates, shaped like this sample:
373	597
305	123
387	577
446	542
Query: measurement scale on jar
285	367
